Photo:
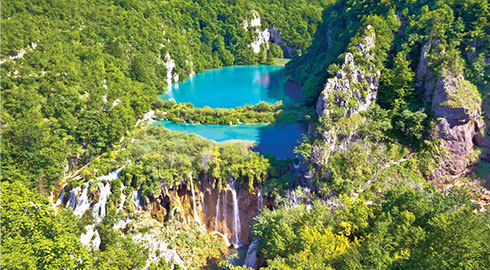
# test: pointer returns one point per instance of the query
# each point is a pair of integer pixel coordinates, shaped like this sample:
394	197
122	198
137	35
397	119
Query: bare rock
355	87
457	105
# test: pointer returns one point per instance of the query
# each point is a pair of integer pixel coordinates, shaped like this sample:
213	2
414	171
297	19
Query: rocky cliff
228	213
456	104
355	86
351	91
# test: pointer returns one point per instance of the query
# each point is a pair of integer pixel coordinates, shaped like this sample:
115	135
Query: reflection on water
276	139
234	86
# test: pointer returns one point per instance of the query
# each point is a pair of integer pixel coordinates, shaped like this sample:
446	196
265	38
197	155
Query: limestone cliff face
266	36
456	104
215	210
354	87
352	90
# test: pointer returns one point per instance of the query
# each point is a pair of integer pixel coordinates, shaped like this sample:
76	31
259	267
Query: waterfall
123	199
82	202
113	175
72	199
225	238
216	220
60	198
251	259
87	239
99	209
260	201
225	208
196	216
135	198
236	219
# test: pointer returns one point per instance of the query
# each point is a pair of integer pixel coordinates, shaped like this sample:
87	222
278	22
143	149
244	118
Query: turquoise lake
276	139
235	86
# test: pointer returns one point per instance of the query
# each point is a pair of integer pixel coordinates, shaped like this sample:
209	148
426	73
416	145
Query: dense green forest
262	112
76	76
389	175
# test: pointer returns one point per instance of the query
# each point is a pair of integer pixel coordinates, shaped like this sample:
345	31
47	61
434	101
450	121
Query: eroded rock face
352	90
457	107
354	87
215	209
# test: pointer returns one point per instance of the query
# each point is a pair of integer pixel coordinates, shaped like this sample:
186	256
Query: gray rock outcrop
354	88
456	104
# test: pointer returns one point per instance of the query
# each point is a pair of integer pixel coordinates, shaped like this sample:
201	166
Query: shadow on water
276	139
278	86
280	139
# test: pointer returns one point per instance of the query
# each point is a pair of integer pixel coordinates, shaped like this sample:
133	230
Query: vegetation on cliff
76	77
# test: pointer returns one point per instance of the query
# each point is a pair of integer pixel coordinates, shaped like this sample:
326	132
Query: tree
34	236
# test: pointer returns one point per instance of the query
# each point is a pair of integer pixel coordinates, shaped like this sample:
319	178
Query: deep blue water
277	139
235	86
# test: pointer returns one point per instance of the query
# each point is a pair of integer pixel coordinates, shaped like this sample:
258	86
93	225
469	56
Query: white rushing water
225	208
123	199
225	238
113	175
72	199
99	209
90	238
60	198
216	221
83	203
251	259
194	205
260	201
135	199
202	202
236	219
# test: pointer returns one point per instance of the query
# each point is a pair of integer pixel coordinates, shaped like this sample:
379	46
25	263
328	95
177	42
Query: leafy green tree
34	236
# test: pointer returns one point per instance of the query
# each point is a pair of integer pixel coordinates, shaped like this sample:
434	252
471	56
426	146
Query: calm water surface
235	86
277	139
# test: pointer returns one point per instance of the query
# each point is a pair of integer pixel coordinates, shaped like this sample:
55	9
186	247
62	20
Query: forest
91	69
392	173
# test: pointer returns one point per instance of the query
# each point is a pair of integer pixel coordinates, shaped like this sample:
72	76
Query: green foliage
34	236
404	229
276	51
260	113
87	70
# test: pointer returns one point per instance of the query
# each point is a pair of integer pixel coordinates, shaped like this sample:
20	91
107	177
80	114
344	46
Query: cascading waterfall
260	201
99	209
225	209
113	175
60	198
196	216
72	199
135	198
90	238
251	259
236	219
216	221
123	199
82	202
